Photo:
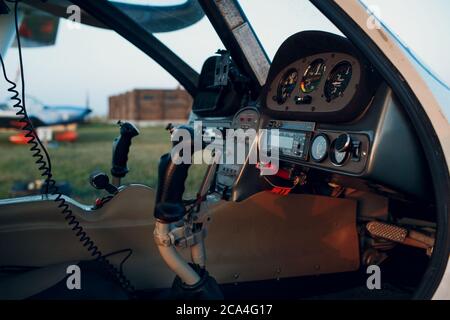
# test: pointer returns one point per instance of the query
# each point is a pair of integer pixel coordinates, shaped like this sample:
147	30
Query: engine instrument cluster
328	83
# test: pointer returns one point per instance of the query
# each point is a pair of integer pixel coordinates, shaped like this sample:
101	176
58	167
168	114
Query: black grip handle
171	176
121	148
171	180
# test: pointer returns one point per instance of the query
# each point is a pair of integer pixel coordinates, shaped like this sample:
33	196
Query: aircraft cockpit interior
319	171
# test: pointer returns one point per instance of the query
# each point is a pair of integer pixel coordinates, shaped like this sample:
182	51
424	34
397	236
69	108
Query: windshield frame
225	31
411	52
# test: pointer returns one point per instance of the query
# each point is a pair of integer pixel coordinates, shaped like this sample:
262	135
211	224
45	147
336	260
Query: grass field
73	162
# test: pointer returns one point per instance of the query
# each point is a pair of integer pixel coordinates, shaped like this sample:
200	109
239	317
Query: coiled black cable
42	160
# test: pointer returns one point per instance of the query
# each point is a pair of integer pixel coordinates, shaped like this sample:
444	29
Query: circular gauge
319	148
340	149
338	80
246	119
312	76
338	157
286	85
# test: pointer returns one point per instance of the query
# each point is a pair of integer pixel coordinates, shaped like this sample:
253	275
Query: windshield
425	35
180	25
285	17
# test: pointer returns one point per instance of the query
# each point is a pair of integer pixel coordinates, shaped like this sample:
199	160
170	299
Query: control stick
183	226
121	148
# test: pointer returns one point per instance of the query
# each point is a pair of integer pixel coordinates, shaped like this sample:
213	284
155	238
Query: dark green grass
73	162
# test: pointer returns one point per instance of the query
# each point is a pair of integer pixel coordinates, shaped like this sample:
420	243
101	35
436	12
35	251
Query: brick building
150	105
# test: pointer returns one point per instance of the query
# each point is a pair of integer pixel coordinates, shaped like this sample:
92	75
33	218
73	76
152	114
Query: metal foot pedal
387	231
401	235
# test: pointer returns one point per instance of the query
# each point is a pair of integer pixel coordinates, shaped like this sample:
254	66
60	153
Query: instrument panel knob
343	142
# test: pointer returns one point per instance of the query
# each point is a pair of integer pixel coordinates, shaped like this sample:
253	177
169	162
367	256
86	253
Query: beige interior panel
36	234
264	237
270	236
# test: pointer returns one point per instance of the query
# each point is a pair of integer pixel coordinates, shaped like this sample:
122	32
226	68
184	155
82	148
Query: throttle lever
121	148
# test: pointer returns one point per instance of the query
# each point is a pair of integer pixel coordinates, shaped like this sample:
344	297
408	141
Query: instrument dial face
286	85
319	148
246	119
340	149
312	76
338	81
339	157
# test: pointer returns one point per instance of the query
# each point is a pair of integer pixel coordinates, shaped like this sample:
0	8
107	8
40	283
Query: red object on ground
19	139
67	136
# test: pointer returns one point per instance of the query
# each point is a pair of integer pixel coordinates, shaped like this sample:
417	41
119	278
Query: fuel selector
345	147
341	148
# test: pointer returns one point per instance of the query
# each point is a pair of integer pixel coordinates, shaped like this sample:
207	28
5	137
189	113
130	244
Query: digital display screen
290	143
286	142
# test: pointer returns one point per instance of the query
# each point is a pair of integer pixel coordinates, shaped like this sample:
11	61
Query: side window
95	69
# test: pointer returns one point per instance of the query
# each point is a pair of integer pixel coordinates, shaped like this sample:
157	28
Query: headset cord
39	152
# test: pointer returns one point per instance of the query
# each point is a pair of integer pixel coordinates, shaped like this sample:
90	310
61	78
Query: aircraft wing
41	19
48	116
51	116
153	18
163	18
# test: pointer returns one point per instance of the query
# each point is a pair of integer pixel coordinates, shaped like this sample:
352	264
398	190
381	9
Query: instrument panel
303	143
321	77
317	86
320	83
333	112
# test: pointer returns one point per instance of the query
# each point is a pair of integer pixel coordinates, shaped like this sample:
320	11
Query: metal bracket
183	237
162	239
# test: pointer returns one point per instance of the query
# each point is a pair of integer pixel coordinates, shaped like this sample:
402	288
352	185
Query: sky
98	63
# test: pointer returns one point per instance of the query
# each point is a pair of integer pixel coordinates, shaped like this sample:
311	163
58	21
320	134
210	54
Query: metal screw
278	272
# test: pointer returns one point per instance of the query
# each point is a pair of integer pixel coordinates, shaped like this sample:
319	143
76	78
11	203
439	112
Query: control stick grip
172	176
121	148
